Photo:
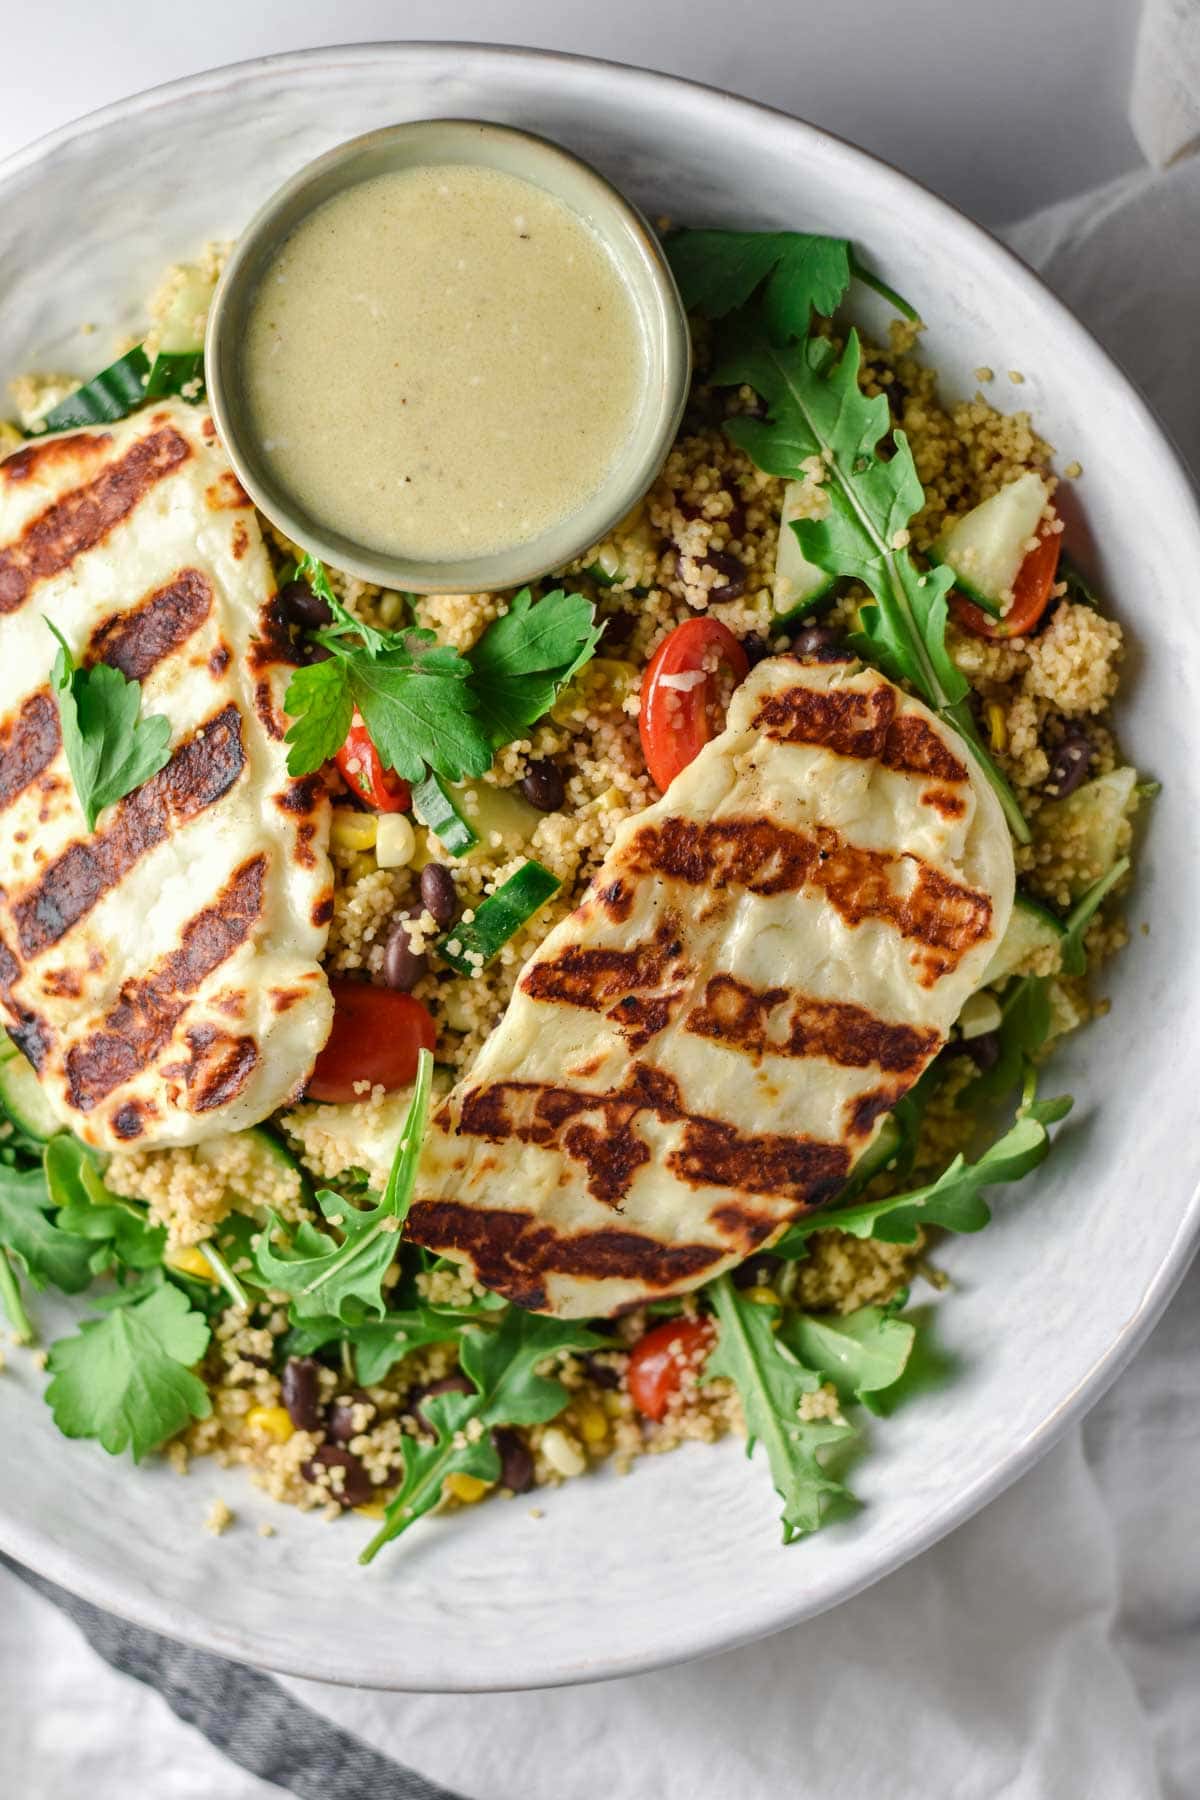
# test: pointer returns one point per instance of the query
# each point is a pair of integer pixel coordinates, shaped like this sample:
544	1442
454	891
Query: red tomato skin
376	1035
675	724
658	1362
363	772
1031	593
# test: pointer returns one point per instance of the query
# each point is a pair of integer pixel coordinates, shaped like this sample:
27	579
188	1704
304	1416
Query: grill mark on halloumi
35	460
219	1065
132	642
633	980
200	771
514	1251
83	518
28	745
713	1153
945	917
136	640
850	722
148	1010
738	1016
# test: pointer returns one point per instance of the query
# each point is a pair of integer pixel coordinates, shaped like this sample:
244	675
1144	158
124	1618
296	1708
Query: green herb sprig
109	749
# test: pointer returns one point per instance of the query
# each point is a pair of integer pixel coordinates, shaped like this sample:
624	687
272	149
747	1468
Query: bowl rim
97	1585
637	256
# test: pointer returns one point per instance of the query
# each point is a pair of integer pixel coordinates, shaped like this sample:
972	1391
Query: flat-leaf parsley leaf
109	749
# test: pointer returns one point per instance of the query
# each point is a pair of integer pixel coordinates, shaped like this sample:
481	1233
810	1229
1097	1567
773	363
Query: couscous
411	1385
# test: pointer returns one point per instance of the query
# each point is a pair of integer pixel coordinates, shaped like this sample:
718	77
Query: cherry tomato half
362	769
659	1361
376	1035
1031	593
681	706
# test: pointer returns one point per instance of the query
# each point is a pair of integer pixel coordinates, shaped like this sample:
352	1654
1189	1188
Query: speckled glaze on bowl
683	1556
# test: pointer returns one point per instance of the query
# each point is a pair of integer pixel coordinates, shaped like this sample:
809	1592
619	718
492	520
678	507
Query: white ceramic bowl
682	1556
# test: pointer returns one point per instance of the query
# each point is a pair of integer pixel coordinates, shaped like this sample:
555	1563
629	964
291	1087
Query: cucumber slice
987	546
798	583
23	1098
1031	928
1090	820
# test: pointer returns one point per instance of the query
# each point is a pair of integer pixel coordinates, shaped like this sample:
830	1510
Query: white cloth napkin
1164	106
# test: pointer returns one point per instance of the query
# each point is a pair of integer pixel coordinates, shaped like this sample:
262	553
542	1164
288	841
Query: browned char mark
39	458
740	1017
219	1066
513	1252
150	1007
764	858
851	722
625	985
200	771
84	517
802	1171
135	640
28	745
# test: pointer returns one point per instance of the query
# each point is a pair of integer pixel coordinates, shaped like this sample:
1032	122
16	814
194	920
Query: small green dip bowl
640	263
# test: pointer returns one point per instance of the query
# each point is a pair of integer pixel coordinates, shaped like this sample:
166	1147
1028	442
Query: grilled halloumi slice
766	962
162	973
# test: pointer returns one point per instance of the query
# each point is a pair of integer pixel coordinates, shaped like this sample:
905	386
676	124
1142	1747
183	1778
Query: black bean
618	629
438	894
819	643
756	648
734	572
403	966
304	608
1072	761
301	1392
340	1424
516	1461
983	1050
356	1486
543	786
603	1373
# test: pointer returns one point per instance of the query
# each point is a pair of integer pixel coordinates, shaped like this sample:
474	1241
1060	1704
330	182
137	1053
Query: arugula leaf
109	750
863	1353
378	1344
127	1378
1072	958
818	409
504	1366
117	1230
955	1200
524	659
772	1383
324	1275
1025	1019
49	1254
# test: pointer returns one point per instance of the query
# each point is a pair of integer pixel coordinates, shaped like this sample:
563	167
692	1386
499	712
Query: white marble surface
1000	107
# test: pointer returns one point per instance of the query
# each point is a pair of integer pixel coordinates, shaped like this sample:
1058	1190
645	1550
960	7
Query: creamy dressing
442	362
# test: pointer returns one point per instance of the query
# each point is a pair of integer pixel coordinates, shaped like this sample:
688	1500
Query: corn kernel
593	1426
191	1261
372	1509
615	1405
353	830
273	1420
467	1488
997	728
762	1296
395	841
